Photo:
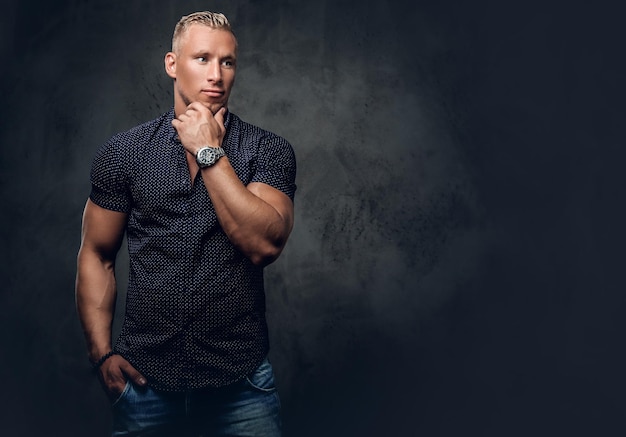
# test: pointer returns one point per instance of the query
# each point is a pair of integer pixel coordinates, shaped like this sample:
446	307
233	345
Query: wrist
95	365
208	156
97	349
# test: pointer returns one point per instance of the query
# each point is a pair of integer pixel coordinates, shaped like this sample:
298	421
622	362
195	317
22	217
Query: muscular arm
102	234
257	218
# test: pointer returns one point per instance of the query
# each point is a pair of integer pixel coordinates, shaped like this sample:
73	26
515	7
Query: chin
214	107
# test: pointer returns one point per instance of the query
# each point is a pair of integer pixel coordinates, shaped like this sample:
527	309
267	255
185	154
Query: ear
170	64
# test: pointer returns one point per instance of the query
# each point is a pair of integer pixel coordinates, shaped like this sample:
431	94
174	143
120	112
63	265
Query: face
204	68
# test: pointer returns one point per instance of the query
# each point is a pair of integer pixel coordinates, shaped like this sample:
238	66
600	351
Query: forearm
95	302
254	226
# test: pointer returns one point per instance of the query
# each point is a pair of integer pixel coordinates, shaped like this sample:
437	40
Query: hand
114	373
197	127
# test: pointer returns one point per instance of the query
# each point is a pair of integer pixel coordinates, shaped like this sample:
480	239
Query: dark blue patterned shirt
195	307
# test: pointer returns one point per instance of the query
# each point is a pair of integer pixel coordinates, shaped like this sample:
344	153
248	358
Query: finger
133	374
219	116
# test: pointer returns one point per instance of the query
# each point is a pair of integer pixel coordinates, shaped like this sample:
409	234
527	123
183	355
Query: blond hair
214	20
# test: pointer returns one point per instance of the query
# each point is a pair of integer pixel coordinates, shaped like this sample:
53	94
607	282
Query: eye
201	59
228	63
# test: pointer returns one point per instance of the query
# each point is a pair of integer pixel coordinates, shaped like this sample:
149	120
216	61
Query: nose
214	71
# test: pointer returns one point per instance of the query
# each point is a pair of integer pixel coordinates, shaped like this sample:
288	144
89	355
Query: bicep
102	230
277	200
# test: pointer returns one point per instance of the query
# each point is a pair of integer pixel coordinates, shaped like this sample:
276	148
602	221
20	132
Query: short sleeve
109	187
276	165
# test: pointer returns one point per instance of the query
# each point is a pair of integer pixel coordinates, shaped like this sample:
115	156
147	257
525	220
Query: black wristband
102	359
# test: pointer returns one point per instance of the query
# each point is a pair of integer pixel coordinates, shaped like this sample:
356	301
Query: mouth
215	93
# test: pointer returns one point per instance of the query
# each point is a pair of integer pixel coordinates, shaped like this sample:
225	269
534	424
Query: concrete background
456	265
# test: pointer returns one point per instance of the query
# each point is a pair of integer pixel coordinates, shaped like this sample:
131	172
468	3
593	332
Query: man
206	201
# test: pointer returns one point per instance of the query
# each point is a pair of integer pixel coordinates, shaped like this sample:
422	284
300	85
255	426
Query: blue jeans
249	407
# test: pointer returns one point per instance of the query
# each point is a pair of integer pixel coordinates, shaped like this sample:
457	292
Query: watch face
206	156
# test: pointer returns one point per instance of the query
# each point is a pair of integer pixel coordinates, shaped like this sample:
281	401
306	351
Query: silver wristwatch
207	156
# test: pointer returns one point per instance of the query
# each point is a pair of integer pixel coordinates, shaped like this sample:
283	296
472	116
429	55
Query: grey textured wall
456	263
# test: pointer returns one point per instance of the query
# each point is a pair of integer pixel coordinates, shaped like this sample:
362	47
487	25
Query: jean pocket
262	378
122	394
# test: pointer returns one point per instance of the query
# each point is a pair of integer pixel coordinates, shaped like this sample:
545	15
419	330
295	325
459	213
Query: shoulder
130	141
160	126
